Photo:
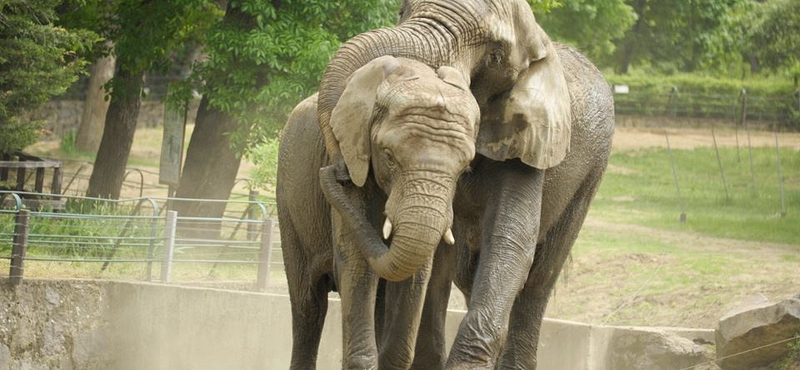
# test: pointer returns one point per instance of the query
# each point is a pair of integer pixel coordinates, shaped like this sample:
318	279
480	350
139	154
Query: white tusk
387	228
448	237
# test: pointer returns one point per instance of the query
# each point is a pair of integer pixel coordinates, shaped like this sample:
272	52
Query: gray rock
52	297
54	341
754	301
5	357
656	349
761	325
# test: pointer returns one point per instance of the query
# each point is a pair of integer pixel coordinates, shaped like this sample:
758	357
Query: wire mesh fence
141	238
781	111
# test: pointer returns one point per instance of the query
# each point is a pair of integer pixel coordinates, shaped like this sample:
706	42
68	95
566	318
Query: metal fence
780	110
140	238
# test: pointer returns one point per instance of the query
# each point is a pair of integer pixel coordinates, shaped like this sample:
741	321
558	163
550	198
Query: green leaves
38	60
265	56
774	34
592	26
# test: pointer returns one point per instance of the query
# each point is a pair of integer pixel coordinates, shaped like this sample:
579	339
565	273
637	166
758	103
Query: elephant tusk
387	228
448	237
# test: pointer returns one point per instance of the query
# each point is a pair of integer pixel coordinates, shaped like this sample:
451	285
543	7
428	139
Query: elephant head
497	52
511	66
416	128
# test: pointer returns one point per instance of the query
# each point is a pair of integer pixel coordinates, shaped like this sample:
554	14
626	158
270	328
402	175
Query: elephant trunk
418	231
423	42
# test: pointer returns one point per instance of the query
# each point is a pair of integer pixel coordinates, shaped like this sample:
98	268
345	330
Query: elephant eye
495	57
389	157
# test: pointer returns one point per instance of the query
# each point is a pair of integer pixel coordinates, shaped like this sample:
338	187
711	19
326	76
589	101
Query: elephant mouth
411	246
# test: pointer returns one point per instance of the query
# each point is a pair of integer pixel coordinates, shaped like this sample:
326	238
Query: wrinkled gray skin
514	226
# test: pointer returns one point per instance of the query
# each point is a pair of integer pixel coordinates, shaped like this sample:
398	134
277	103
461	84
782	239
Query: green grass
639	188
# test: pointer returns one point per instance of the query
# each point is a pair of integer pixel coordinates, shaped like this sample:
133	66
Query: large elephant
512	210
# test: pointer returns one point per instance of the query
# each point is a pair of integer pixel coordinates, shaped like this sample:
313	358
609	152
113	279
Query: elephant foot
470	367
361	363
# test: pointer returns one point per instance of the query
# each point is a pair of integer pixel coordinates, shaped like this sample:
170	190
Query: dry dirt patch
628	138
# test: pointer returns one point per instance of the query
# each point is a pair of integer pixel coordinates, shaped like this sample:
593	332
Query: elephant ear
352	116
453	77
532	120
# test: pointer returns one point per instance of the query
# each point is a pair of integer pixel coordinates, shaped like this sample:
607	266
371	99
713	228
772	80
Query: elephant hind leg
309	306
529	307
308	292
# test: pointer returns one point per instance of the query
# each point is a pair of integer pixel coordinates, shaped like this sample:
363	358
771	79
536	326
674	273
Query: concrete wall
82	324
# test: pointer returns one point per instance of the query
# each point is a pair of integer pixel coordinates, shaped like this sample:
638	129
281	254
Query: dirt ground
629	138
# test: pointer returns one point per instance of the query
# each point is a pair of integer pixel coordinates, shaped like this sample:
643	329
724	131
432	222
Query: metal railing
137	237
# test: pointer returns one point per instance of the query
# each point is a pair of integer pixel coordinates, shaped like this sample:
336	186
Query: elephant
513	208
421	126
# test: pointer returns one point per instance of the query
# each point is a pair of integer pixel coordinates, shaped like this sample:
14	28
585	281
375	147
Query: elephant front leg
431	351
402	312
357	285
510	226
520	351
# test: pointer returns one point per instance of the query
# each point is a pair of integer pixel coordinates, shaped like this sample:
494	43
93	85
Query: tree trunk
632	37
755	66
120	125
95	106
211	164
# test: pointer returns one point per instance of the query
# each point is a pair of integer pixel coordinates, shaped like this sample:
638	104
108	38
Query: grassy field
639	188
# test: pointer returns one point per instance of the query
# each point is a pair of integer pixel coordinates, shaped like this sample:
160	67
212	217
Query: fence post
151	249
719	163
55	188
169	245
251	227
265	255
749	144
19	247
670	103
780	175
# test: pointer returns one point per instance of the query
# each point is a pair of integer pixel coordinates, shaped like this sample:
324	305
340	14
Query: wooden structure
23	167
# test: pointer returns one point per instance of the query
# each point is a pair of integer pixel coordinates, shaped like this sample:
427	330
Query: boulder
746	335
658	348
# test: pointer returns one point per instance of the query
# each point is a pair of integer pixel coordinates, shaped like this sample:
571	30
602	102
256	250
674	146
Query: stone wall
100	324
62	116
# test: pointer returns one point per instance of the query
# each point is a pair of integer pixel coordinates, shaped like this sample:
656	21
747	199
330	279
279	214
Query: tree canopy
774	35
272	55
38	60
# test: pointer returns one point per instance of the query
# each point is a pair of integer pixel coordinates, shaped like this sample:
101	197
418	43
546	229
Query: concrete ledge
123	325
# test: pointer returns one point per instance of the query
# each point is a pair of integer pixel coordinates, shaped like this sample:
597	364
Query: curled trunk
417	235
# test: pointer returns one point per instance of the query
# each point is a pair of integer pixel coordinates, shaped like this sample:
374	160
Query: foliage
265	156
792	358
672	36
38	60
67	144
268	55
590	25
147	33
544	6
774	32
